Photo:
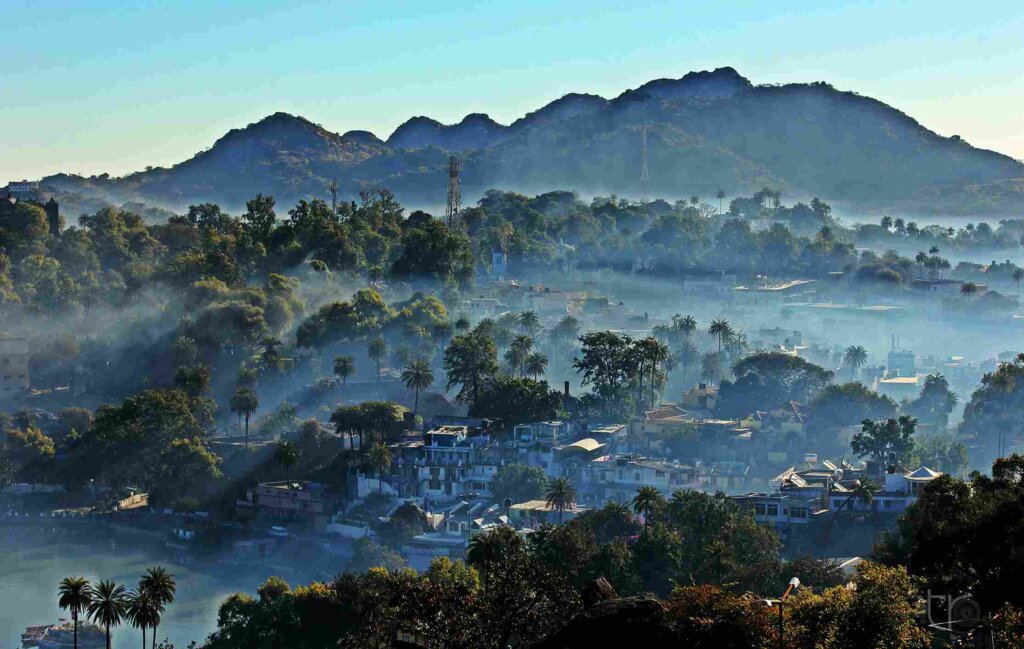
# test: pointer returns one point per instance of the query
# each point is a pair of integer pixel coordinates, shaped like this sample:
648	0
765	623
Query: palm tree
377	349
968	289
245	402
1018	274
491	548
710	367
720	194
380	456
344	367
287	455
518	351
886	223
270	357
417	376
647	501
561	495
720	329
462	324
106	605
686	325
856	357
536	364
863	491
687	355
142	610
161	587
529	322
75	595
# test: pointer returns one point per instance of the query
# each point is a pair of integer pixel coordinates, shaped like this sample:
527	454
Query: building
14	353
714	285
617	478
899	490
533	513
898	388
901	362
701	397
779	509
289	499
938	286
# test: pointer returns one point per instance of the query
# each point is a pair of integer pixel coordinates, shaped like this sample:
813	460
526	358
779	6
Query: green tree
245	403
514	400
344	367
141	610
380	457
722	330
470	360
417	376
536	365
647	502
561	495
529	323
74	596
492	548
286	454
107	605
935	403
377	350
856	357
518	483
162	588
885	441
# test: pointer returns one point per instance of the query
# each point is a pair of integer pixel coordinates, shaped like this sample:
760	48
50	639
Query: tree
518	483
162	588
720	329
245	403
768	380
968	289
561	495
514	400
848	404
492	548
711	367
856	357
287	455
935	403
107	605
1018	274
686	356
141	610
470	360
529	323
647	501
885	441
417	376
344	367
380	457
377	349
536	365
194	380
863	490
518	352
75	595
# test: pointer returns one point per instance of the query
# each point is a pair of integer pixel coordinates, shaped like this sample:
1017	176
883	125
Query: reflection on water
34	558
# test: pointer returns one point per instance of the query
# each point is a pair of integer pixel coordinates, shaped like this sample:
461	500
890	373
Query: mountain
706	131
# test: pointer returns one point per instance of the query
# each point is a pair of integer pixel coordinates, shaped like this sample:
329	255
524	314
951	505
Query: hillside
705	131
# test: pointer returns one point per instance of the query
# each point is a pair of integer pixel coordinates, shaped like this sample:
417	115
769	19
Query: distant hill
706	131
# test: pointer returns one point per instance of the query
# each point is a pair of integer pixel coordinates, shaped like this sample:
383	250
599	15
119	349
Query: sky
101	86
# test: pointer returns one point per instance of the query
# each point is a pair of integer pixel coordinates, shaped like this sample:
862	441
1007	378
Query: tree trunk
247	431
153	644
74	617
416	404
107	626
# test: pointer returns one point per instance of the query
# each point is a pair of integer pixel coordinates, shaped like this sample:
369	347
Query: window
797	512
759	509
773	510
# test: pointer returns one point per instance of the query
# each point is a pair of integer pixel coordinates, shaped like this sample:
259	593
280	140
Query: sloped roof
588	444
923	473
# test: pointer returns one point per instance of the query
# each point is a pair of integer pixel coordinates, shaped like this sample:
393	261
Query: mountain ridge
706	131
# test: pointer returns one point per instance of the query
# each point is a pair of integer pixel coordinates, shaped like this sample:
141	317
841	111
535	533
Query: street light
468	497
794	583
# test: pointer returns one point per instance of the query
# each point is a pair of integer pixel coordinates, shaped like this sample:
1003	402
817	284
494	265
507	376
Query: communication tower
454	191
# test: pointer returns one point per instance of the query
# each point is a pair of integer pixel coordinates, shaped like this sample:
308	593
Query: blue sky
107	86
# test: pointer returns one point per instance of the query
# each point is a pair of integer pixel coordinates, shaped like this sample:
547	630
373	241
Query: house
533	513
942	286
779	509
617	478
14	353
714	285
899	489
901	362
898	388
702	397
287	499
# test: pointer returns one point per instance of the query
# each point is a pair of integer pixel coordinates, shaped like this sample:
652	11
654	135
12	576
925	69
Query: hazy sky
101	86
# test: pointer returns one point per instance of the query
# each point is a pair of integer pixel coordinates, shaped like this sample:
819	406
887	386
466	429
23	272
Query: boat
62	636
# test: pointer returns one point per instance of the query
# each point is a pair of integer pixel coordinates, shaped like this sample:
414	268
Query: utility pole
454	205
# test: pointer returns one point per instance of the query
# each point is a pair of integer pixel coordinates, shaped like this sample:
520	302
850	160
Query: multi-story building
287	499
14	354
618	478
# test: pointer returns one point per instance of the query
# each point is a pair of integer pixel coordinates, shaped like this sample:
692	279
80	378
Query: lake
35	557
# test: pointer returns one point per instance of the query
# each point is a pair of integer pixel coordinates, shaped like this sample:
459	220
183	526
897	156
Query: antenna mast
454	191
